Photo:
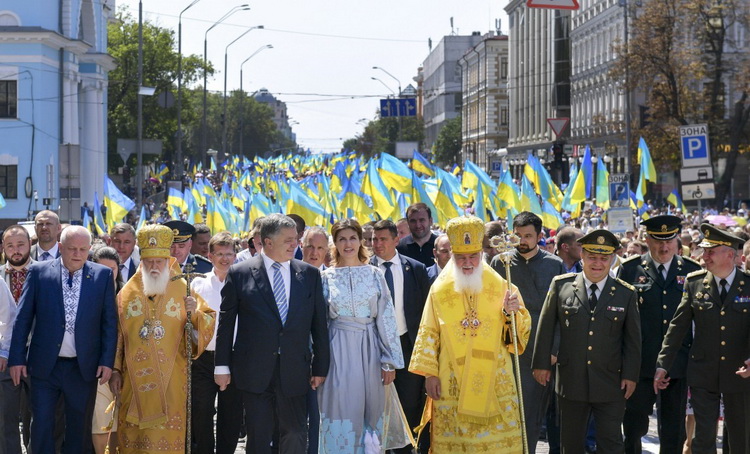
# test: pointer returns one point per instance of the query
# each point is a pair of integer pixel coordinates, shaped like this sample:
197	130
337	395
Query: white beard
471	283
155	285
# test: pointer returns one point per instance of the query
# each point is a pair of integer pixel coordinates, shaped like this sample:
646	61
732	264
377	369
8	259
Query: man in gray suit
599	356
48	228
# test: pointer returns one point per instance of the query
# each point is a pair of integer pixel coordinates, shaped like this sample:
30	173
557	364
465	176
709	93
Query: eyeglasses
222	255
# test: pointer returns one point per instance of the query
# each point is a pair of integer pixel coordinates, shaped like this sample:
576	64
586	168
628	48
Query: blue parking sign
694	146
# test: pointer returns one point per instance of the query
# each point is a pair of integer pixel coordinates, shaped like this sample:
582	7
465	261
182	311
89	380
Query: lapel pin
407	268
699	295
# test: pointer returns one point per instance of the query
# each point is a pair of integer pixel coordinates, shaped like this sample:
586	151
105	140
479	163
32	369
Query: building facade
53	106
485	107
441	83
280	116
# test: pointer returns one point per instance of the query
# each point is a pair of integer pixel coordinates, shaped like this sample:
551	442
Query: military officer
599	349
183	241
716	305
658	277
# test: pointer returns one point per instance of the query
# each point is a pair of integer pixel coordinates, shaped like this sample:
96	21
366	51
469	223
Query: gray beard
155	285
463	283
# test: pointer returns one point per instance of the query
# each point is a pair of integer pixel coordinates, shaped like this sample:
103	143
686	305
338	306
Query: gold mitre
154	241
465	234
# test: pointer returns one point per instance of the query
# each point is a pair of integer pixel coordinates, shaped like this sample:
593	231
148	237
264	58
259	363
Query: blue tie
279	292
45	256
389	280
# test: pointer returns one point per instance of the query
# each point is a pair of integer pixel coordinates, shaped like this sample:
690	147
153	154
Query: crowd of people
382	336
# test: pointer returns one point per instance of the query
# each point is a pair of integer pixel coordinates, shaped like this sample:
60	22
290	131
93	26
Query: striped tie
279	292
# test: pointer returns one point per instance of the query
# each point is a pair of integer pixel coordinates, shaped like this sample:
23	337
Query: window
9	181
504	116
504	68
8	98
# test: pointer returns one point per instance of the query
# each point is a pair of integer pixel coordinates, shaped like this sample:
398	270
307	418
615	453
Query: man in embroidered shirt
464	350
229	410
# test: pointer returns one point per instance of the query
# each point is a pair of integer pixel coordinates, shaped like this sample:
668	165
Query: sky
321	64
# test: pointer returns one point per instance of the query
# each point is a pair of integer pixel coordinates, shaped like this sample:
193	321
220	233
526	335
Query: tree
160	61
687	65
381	135
448	142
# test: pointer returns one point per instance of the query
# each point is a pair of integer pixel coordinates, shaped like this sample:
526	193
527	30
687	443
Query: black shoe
591	448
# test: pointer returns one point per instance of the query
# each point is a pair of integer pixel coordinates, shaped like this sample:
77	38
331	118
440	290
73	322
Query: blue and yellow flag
675	199
602	185
373	186
648	171
394	173
421	164
141	219
99	225
118	204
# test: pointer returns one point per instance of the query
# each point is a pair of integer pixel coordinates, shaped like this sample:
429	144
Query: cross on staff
506	245
188	275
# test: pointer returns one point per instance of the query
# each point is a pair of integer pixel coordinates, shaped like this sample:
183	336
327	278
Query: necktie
122	267
592	299
45	256
723	294
662	273
389	280
279	292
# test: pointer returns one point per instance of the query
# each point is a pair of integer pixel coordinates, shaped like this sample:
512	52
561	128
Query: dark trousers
313	422
65	380
291	413
535	401
706	409
574	418
228	413
411	393
10	410
670	414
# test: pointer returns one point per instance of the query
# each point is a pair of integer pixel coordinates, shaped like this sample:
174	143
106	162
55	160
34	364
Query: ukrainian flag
373	185
648	171
99	225
394	173
602	185
118	204
675	199
421	164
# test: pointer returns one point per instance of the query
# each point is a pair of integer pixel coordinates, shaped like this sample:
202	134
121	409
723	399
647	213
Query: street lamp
392	77
224	113
385	85
242	94
179	88
204	140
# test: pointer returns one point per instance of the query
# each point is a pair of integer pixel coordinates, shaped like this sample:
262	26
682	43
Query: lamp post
139	144
224	113
628	125
392	77
242	95
385	85
204	139
179	88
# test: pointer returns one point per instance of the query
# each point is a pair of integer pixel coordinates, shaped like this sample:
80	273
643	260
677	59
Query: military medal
470	320
680	280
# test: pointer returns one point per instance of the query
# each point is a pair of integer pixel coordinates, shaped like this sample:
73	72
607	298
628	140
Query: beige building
485	109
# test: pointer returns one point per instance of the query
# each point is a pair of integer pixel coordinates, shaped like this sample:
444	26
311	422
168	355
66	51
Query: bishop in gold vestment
151	352
464	344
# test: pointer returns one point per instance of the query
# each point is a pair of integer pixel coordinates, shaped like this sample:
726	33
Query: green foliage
448	143
381	135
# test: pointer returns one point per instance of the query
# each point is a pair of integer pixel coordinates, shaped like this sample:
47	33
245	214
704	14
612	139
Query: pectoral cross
189	276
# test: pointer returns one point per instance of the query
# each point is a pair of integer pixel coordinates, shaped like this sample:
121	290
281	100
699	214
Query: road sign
620	220
553	4
694	146
698	191
496	167
619	190
558	125
692	174
398	107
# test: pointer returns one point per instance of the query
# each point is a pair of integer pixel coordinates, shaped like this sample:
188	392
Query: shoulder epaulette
564	276
747	272
625	284
631	258
691	260
200	257
696	273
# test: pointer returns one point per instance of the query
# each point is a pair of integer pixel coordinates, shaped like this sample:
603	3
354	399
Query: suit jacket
247	299
34	252
657	302
41	303
597	350
721	340
432	272
416	288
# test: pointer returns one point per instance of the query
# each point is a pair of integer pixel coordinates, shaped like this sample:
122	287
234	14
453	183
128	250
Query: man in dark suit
659	278
442	254
409	285
599	353
278	304
70	302
123	240
183	241
716	305
48	228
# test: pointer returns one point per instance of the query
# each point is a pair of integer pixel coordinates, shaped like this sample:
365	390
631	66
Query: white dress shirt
398	290
729	280
665	265
285	270
209	288
52	252
599	286
125	271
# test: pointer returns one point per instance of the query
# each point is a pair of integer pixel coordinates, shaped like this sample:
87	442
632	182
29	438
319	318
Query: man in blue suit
71	303
277	304
409	285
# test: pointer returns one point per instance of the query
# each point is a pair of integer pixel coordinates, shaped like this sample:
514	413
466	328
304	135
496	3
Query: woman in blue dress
365	348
